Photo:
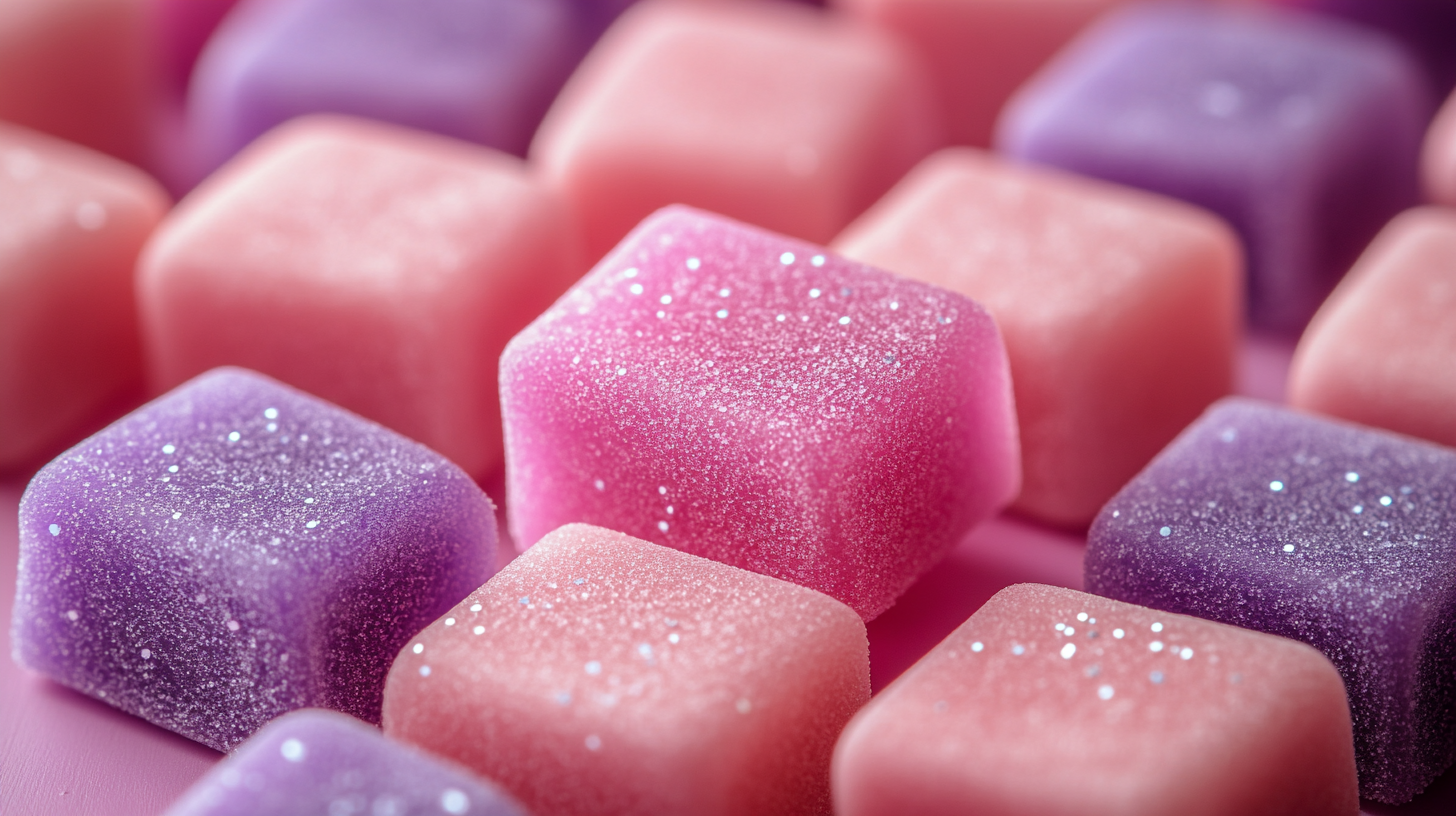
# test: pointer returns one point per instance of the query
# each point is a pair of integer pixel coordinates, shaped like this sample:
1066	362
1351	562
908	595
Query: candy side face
1049	700
1380	350
598	673
315	761
236	550
1303	133
1438	156
1339	536
1120	310
754	400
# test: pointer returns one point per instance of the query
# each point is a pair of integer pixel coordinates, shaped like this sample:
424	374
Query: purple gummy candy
317	762
1340	536
752	399
1303	132
1428	27
238	549
480	70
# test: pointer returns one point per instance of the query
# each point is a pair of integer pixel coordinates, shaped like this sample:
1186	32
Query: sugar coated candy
71	225
315	762
756	400
238	549
1382	349
1121	310
1341	536
1303	132
1052	701
600	674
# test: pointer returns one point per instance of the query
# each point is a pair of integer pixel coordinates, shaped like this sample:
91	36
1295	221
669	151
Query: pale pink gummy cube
380	268
782	116
71	225
1382	349
759	401
81	70
1051	701
1438	156
601	674
979	51
1121	309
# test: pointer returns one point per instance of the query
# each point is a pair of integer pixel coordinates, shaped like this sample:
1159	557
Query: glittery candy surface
238	549
317	762
1050	700
601	674
1333	534
752	399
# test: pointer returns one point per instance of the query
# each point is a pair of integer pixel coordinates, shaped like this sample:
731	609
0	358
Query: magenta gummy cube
1341	536
315	761
480	70
1303	132
238	549
753	399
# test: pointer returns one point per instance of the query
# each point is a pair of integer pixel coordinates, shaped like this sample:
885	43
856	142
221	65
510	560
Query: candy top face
315	761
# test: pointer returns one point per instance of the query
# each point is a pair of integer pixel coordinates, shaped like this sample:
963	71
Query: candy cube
480	70
778	115
74	222
1121	310
1438	156
1381	349
315	761
979	51
754	400
1337	535
1050	700
602	674
379	268
80	70
1303	132
236	550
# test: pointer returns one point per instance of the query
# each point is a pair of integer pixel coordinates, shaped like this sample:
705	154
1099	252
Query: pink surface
753	399
1121	310
1382	349
1438	157
602	674
1049	701
979	51
71	225
774	114
379	268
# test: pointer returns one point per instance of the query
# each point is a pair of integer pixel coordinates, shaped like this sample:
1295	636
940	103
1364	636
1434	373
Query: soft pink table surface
62	753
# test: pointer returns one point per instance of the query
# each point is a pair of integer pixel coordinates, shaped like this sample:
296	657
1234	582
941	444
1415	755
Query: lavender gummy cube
236	550
1303	132
1341	536
756	400
317	762
480	70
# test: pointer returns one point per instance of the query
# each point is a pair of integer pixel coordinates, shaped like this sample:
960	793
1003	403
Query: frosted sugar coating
237	549
755	400
1050	700
315	761
601	674
1337	535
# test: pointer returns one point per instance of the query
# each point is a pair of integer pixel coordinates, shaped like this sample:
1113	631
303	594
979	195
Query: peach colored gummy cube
1052	701
1120	309
781	116
1438	157
602	674
71	225
379	268
80	70
979	51
1382	349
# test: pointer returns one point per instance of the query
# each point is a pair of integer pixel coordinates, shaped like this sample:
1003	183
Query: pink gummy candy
600	674
785	117
1052	701
380	268
755	400
1121	309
